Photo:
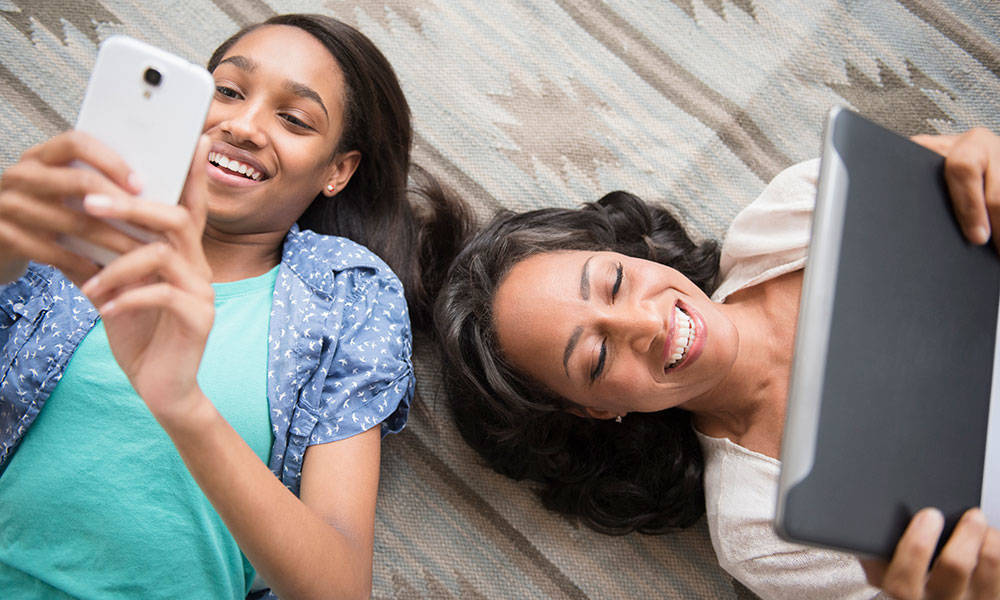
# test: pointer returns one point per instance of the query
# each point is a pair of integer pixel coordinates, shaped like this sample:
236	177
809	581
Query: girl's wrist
190	413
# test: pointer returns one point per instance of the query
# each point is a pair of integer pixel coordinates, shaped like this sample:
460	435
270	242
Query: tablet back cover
894	353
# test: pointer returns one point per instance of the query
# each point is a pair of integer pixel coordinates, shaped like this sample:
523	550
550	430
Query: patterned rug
522	104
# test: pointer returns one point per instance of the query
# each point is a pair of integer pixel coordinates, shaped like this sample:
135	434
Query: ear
342	167
595	413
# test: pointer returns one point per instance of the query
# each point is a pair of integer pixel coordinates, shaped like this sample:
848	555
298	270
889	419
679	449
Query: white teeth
233	165
684	338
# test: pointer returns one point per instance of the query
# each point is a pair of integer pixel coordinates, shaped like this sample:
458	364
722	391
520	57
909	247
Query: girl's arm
157	304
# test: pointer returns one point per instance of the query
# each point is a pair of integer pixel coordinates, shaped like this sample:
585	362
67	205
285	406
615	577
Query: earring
618	419
330	188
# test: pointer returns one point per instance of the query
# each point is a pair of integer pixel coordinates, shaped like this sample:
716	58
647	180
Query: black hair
643	474
415	231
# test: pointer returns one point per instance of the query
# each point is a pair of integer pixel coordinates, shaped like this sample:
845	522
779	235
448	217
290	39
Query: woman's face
612	333
276	119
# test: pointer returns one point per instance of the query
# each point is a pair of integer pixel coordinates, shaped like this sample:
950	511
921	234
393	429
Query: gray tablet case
893	371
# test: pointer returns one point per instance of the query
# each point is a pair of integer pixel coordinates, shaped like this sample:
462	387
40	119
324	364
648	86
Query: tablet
895	359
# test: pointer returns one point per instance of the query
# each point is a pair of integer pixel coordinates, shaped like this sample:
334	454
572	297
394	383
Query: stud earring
618	419
330	188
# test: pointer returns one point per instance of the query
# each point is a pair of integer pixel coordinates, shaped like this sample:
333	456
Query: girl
647	402
211	404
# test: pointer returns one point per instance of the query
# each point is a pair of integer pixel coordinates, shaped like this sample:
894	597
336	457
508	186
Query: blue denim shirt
338	362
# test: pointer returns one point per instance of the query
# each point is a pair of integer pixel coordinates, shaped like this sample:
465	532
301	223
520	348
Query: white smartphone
149	106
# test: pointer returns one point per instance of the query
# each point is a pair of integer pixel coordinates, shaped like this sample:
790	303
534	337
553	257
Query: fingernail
980	235
931	516
135	182
97	201
977	515
89	285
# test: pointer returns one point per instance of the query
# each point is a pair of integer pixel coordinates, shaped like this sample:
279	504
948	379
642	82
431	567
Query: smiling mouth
220	160
684	339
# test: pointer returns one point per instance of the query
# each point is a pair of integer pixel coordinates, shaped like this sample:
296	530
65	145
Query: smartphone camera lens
152	76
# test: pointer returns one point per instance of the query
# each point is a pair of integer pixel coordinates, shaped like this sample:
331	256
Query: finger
156	261
44	250
193	195
906	574
52	219
992	188
173	222
874	570
938	143
952	571
77	145
964	171
56	182
162	296
986	577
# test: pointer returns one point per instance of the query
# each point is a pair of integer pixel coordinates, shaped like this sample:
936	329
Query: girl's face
612	333
275	122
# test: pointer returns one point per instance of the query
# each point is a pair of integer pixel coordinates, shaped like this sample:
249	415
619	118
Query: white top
767	239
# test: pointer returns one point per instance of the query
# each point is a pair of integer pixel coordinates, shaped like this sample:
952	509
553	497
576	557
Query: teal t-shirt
97	503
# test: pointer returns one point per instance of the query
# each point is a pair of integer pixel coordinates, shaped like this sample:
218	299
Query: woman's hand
972	171
33	210
968	567
157	301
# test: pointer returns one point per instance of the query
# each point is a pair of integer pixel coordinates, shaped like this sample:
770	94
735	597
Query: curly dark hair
643	474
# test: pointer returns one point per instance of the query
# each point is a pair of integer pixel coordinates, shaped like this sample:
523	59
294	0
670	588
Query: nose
635	325
244	125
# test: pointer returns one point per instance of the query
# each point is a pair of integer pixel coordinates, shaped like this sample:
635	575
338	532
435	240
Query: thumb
193	195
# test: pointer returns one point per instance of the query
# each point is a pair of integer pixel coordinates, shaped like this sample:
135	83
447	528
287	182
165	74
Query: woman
644	390
210	405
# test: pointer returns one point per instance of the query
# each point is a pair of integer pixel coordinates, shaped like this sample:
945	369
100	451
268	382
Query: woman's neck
235	257
748	407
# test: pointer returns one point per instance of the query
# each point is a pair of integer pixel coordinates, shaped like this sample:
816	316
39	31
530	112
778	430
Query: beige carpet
554	102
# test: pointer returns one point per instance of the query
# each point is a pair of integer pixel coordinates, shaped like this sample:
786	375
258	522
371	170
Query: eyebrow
298	89
585	294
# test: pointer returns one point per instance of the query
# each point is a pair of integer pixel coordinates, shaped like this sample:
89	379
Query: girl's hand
972	171
33	212
157	301
968	567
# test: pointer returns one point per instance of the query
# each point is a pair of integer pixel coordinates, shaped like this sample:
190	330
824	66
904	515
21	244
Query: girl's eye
295	121
599	367
228	92
618	282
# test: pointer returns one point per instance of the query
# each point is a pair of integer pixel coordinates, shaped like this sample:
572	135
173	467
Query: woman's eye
228	92
619	273
601	358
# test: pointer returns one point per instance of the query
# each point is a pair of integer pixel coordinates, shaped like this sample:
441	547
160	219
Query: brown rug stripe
964	36
730	122
428	157
245	12
553	576
29	103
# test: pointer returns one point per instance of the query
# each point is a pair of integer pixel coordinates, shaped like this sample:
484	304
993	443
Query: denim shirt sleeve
339	359
370	377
